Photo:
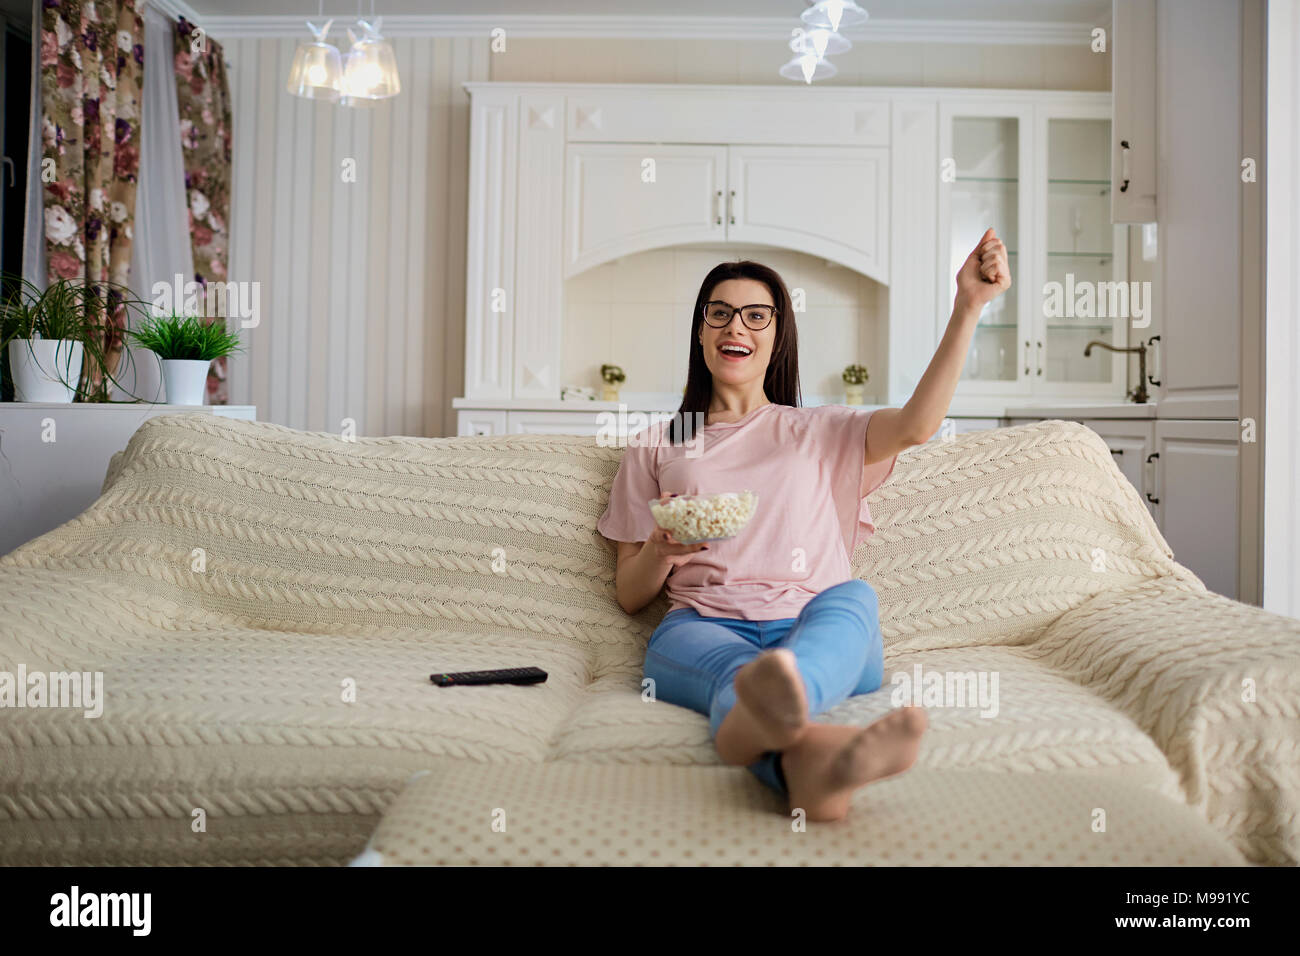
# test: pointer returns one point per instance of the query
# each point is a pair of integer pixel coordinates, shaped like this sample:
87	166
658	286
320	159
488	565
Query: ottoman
463	812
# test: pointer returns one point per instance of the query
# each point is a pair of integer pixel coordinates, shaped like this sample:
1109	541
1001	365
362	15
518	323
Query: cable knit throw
265	607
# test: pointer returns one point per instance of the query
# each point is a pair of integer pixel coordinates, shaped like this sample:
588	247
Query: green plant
185	337
855	375
612	374
69	310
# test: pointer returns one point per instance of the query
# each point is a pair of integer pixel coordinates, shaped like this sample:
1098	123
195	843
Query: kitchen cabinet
664	194
671	194
1194	469
1133	111
566	176
1039	173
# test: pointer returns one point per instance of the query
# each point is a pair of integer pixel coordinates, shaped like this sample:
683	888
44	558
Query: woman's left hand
985	274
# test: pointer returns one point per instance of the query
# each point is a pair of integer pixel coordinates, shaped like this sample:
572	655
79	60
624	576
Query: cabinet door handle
1150	459
1123	164
1155	360
1026	356
1040	358
731	215
717	219
1116	451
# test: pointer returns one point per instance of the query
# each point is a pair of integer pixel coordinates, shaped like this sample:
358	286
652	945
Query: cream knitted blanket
265	606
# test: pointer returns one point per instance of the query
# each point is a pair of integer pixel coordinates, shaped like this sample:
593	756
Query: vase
854	394
609	393
185	380
45	370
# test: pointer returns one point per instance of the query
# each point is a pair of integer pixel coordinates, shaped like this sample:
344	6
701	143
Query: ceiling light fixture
370	71
833	14
808	67
819	41
317	70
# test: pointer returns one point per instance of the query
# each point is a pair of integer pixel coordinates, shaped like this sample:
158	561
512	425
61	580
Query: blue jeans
836	641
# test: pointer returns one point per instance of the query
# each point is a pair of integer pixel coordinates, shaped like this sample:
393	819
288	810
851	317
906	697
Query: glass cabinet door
1083	297
985	189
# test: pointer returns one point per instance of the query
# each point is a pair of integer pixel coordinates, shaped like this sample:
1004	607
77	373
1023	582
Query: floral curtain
203	93
92	67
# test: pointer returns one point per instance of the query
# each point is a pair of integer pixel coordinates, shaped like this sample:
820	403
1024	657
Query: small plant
612	374
855	375
185	337
66	310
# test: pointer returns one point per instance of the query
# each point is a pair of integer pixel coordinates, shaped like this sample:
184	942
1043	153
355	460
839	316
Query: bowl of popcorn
691	519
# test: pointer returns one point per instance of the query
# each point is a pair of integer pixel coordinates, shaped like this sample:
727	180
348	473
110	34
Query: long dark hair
781	381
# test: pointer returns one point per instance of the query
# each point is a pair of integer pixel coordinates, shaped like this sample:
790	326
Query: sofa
265	607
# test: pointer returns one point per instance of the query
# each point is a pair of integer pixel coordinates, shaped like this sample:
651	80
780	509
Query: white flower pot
185	380
41	366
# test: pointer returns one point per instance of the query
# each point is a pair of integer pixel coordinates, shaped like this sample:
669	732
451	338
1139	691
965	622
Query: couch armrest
1216	683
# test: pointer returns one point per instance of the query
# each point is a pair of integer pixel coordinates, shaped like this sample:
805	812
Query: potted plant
45	336
55	343
185	346
855	376
613	376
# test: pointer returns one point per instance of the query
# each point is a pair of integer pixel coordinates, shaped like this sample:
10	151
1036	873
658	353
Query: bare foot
830	761
771	711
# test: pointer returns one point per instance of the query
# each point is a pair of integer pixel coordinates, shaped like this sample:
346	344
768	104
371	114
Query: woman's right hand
668	549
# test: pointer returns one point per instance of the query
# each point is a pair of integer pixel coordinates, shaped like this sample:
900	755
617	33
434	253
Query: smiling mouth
735	354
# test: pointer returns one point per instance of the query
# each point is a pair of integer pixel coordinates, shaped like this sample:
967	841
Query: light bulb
808	63
819	38
835	10
316	75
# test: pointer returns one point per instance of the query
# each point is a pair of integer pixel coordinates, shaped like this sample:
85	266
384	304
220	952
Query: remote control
510	675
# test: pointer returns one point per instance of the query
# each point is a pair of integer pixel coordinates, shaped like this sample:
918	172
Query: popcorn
695	518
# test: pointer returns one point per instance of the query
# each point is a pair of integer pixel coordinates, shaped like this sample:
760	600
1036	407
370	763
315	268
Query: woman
769	627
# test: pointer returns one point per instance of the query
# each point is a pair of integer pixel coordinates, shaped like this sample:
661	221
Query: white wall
363	283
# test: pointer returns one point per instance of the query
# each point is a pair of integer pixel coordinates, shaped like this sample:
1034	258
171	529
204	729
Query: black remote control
510	675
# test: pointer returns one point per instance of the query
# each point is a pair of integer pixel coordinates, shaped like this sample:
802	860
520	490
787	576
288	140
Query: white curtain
161	247
34	227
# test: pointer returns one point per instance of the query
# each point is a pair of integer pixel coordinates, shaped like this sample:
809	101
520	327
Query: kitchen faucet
1139	394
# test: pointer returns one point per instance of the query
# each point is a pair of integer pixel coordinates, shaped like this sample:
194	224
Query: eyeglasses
756	317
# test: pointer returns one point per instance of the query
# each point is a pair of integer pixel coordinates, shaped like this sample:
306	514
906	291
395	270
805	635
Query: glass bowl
692	519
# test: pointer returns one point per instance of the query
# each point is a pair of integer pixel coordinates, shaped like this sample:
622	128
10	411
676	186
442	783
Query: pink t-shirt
807	466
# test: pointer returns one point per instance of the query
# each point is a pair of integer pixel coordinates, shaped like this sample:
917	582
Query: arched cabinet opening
636	312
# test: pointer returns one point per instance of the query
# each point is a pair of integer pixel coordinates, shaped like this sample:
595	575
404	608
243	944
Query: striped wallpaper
362	283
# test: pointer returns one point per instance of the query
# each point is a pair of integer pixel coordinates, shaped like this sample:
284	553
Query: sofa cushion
989	536
1043	722
462	813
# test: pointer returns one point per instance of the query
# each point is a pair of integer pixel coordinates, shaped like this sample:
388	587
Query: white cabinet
827	201
830	201
1039	173
1204	118
628	197
1195	466
1133	116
